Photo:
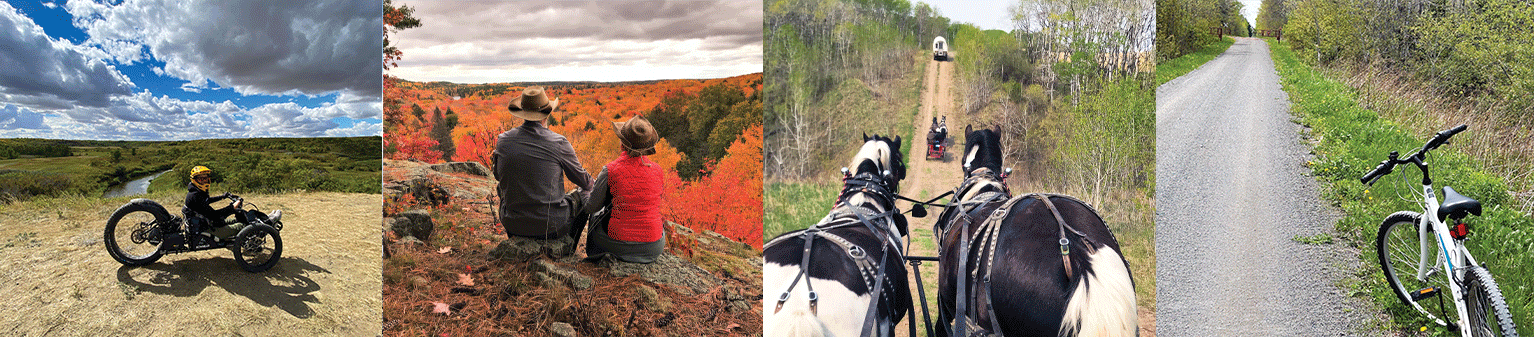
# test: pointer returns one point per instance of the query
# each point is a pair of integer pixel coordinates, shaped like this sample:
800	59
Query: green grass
1182	65
1351	140
793	206
1318	239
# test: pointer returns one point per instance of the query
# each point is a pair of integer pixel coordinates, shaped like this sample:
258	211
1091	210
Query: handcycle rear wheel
1399	249
132	236
1487	310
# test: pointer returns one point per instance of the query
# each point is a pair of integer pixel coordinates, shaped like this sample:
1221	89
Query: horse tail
798	323
1103	303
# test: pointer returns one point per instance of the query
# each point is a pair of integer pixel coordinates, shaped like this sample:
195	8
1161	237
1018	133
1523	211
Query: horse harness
989	235
872	272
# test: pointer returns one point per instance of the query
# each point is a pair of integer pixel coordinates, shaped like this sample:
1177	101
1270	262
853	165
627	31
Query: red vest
635	186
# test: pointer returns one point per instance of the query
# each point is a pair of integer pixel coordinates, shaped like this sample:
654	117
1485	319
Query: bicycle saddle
1456	206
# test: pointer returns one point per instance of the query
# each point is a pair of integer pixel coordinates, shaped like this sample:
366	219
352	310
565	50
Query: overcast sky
1249	10
986	14
171	69
525	41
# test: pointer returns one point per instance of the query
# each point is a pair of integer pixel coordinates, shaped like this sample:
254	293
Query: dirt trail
928	178
56	274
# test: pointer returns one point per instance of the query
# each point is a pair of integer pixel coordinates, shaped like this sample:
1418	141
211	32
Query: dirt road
1233	196
928	178
57	279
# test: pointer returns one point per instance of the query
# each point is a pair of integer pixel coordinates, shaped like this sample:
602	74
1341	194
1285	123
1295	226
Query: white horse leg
841	312
1103	303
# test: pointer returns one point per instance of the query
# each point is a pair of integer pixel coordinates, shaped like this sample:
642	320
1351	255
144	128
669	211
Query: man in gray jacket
531	163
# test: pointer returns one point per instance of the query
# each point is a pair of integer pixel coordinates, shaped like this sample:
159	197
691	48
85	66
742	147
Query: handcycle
1422	254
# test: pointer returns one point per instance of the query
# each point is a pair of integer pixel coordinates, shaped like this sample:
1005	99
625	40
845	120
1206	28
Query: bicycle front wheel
1399	247
1488	312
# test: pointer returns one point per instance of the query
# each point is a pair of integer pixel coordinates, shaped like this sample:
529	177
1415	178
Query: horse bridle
873	274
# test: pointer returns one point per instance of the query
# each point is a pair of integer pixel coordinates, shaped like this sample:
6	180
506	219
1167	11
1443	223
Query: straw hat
534	105
637	135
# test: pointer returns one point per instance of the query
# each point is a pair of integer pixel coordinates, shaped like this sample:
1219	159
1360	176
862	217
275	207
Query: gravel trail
1233	194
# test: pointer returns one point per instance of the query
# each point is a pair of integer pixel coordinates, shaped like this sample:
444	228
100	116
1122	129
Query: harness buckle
1065	246
856	252
814	308
781	299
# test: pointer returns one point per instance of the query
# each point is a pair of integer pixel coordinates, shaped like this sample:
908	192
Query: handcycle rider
199	203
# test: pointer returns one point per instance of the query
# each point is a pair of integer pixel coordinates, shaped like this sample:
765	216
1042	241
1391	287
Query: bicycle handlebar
1443	137
1385	167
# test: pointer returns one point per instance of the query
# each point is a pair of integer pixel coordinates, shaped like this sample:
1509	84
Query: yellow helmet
200	170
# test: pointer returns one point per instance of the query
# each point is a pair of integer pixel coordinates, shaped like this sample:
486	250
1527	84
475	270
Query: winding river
135	187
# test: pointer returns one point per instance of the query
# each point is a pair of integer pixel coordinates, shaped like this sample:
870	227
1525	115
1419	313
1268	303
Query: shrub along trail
57	279
1235	197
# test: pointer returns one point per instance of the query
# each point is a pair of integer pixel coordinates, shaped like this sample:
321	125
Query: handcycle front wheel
1399	248
257	248
1487	310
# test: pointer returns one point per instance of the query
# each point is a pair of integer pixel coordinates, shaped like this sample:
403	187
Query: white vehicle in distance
939	49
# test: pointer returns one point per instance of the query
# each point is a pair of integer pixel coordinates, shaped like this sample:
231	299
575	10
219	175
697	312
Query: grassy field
240	165
1349	140
1182	65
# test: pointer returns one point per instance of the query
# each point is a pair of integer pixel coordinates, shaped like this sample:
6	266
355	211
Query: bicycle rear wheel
1488	312
1399	248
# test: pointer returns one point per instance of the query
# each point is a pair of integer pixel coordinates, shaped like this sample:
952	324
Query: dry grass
1501	139
57	279
508	300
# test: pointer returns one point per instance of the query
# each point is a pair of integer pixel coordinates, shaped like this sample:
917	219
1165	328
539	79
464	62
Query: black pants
599	243
576	218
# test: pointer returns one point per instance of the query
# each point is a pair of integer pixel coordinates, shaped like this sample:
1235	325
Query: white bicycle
1423	255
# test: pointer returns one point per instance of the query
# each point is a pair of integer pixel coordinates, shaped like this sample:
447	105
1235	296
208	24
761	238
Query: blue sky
168	70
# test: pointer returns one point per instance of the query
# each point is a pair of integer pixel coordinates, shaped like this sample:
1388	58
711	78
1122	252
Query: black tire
257	248
1488	312
118	236
1398	248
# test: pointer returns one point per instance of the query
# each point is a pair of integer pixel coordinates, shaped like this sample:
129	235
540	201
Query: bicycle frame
1450	253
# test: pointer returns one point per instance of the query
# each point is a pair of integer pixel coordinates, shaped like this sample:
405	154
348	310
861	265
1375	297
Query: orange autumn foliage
727	200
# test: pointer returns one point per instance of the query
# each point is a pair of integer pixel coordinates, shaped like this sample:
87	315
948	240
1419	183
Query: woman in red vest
626	200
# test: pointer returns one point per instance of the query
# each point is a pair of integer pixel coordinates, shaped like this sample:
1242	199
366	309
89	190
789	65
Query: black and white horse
844	276
1001	265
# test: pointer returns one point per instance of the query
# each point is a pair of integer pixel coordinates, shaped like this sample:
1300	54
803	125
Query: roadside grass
1182	65
789	206
1349	140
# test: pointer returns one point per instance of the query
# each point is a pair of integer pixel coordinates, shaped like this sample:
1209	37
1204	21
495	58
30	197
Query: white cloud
251	46
42	73
580	40
361	128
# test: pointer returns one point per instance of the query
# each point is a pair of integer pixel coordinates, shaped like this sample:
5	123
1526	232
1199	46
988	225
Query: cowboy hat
637	135
533	105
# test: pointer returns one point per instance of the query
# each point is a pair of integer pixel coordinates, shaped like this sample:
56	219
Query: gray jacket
531	163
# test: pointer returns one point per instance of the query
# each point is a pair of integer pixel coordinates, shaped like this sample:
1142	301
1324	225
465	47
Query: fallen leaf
445	250
440	308
732	326
465	279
